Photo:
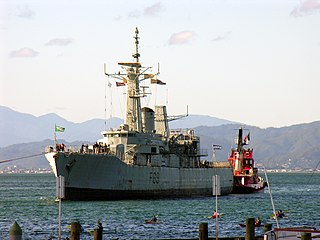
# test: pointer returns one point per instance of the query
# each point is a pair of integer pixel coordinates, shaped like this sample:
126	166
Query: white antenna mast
167	97
111	103
105	106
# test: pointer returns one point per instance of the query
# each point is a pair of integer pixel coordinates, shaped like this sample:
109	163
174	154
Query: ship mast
133	113
131	78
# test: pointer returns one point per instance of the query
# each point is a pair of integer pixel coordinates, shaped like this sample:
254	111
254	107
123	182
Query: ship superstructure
141	158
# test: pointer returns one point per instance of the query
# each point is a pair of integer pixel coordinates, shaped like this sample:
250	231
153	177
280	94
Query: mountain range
293	147
16	127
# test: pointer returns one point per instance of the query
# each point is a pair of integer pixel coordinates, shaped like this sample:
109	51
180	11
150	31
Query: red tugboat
246	179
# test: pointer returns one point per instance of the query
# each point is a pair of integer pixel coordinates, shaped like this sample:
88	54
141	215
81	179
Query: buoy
15	232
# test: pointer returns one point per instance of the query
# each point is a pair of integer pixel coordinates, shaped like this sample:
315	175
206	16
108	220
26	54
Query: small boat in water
246	178
151	222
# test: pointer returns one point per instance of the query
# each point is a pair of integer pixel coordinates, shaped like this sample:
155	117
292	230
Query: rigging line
146	101
107	84
121	99
167	95
19	158
111	104
155	95
274	210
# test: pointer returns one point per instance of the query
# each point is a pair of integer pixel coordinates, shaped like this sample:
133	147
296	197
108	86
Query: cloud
306	7
153	10
24	53
60	42
181	37
118	18
25	12
224	36
134	14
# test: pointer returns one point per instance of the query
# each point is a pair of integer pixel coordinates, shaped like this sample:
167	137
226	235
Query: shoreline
49	172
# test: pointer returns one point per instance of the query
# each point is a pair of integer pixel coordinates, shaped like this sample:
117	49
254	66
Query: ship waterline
105	177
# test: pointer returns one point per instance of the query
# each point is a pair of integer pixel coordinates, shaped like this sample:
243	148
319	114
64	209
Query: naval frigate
142	158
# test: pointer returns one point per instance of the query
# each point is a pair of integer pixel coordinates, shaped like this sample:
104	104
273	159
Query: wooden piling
305	236
75	231
250	229
203	231
15	232
97	234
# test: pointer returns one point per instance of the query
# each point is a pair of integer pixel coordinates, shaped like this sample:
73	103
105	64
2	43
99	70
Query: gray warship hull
142	158
106	177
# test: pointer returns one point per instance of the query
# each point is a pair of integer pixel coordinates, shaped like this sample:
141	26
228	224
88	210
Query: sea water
29	199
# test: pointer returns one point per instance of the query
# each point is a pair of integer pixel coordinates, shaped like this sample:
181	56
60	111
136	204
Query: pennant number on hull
154	177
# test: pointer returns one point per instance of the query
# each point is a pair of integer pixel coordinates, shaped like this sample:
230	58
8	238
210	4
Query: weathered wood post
305	236
203	231
75	231
267	227
98	231
15	232
97	234
250	229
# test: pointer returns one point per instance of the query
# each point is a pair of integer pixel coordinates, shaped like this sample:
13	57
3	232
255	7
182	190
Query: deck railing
302	233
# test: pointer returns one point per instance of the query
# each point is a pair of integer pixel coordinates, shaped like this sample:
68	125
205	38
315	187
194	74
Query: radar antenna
136	55
172	118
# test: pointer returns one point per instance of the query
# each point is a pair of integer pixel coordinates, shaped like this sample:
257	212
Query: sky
253	61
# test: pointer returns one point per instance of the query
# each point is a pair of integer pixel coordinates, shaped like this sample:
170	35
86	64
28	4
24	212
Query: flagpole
54	137
216	188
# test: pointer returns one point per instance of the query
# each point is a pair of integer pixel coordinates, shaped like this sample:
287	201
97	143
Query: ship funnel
161	121
147	120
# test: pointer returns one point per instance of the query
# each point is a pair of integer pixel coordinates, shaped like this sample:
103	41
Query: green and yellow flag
58	128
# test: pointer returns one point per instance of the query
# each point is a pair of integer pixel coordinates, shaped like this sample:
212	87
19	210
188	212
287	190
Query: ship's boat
246	177
140	159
